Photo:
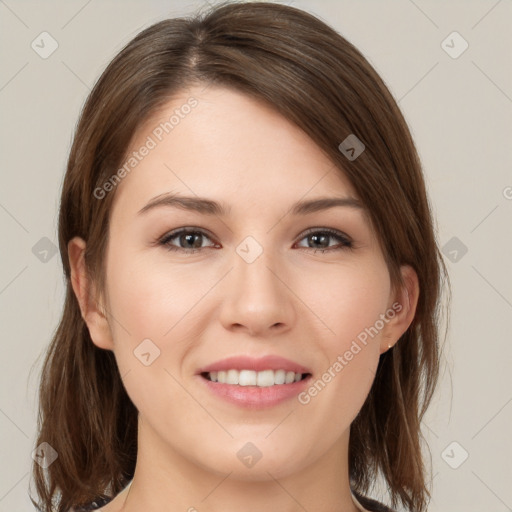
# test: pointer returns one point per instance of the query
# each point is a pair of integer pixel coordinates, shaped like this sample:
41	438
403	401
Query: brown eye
318	240
187	240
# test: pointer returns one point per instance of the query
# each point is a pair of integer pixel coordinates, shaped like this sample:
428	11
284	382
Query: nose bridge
257	296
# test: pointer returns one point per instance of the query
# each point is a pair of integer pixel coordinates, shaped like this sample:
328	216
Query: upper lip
269	362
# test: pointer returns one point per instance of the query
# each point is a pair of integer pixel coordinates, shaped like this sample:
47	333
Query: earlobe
91	307
404	304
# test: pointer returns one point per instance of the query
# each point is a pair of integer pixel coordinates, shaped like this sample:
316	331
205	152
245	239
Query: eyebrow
211	207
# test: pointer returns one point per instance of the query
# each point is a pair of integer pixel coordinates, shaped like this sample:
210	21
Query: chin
257	460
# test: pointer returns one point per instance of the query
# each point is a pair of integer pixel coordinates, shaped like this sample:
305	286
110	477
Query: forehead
214	141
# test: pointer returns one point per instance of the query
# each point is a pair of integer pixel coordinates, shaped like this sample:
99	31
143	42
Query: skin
200	307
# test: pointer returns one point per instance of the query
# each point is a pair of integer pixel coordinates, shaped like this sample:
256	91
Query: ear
91	306
403	303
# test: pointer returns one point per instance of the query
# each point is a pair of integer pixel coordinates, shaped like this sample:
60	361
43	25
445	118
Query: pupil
317	237
188	236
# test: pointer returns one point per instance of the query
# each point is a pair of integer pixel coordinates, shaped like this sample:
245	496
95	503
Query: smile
265	378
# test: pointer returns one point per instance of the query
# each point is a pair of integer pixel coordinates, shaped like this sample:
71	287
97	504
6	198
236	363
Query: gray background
460	113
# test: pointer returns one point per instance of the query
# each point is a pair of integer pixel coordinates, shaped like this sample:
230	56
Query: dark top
367	503
95	505
372	505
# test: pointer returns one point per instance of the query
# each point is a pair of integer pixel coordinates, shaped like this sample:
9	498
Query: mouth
261	379
255	383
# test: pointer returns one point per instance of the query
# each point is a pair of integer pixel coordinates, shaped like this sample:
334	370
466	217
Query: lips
255	382
240	363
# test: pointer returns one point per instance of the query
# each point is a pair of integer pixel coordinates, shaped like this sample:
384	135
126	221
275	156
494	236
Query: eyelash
345	242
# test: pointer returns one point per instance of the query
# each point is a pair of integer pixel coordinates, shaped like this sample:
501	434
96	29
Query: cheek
154	324
153	331
350	304
348	300
156	301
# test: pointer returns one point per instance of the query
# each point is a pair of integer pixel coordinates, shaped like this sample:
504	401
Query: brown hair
318	80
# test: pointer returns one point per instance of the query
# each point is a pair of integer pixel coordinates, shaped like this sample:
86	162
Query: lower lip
255	397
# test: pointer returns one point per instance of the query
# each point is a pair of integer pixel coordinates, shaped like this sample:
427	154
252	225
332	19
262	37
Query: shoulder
372	505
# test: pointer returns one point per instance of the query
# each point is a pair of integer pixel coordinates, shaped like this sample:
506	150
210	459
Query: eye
320	236
192	240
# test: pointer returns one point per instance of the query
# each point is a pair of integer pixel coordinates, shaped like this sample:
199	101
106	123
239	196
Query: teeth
279	377
232	376
246	378
264	378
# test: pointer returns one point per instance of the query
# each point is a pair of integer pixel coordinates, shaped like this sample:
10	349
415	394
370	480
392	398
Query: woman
253	281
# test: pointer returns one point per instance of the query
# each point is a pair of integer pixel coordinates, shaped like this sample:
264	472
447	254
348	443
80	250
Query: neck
173	482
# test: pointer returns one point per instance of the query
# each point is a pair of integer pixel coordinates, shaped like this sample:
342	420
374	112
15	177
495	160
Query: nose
257	299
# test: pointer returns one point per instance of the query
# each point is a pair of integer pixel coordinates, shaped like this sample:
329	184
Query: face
256	290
